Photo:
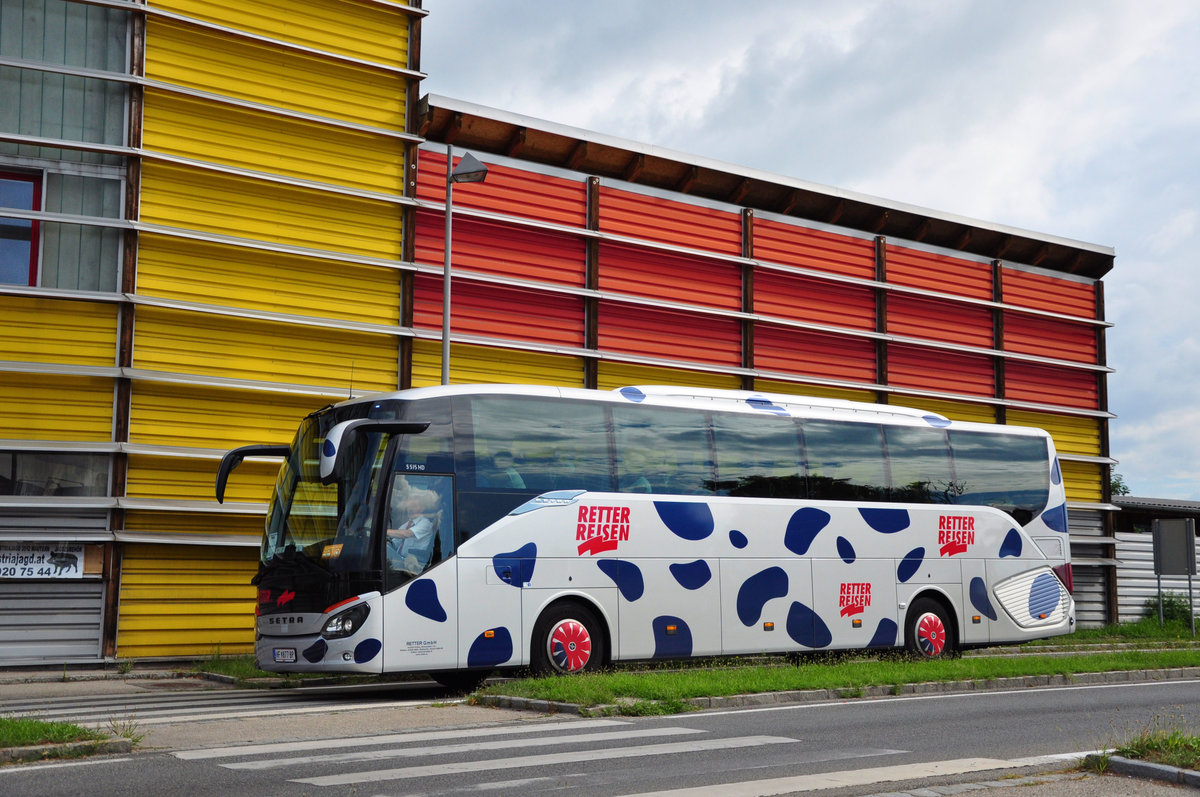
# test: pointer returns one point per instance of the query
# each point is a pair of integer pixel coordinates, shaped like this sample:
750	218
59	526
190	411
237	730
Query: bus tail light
1064	575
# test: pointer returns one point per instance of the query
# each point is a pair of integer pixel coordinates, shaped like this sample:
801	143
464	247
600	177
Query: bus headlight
343	624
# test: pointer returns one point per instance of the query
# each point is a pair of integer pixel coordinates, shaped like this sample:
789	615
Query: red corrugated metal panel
933	319
1048	337
940	371
815	301
652	332
666	221
506	190
497	311
1043	292
502	249
671	277
939	273
792	245
798	351
1048	385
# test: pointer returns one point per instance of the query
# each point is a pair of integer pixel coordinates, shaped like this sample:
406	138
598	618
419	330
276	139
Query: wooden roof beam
633	169
516	142
688	180
578	155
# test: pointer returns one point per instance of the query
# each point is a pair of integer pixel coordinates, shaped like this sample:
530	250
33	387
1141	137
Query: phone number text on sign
41	560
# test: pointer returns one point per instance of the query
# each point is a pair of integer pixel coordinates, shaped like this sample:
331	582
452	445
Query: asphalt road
843	748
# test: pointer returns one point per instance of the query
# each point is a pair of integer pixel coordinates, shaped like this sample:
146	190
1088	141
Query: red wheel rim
931	634
570	646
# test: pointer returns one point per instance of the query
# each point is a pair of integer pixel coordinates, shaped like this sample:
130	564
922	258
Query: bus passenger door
975	582
856	602
766	605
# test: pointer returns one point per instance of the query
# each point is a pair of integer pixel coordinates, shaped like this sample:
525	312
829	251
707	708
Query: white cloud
1079	119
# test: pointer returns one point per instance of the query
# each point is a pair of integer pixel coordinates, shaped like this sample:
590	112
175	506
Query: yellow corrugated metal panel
613	375
183	600
193	479
481	364
216	62
241	348
190	127
1084	481
212	273
1072	434
226	204
954	410
193	416
58	331
817	391
142	521
52	407
360	30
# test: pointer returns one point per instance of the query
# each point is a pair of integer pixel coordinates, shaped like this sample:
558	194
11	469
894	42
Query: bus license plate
284	655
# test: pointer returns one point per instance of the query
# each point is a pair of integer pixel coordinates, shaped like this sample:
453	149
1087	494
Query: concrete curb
38	752
1144	769
855	693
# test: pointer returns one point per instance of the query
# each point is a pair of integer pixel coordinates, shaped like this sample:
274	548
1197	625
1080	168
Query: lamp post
468	170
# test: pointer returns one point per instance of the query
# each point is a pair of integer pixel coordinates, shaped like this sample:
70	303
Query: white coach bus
454	530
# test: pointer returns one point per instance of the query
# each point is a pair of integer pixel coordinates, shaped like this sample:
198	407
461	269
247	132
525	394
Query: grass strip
26	732
850	673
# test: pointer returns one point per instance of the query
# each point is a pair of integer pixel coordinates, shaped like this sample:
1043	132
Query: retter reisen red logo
854	599
955	533
601	528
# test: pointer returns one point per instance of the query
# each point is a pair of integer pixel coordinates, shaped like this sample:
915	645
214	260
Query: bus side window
758	456
845	461
663	451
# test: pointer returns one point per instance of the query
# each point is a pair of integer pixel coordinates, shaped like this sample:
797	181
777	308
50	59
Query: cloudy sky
1076	118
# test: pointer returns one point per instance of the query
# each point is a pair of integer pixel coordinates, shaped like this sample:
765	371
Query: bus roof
711	398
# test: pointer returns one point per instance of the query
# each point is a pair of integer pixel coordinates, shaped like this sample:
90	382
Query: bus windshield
330	523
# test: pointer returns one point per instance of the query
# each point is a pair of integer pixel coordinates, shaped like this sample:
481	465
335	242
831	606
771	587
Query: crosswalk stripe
456	767
467	747
832	780
395	738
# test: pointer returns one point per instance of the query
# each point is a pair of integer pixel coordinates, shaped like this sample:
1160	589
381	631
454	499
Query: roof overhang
484	129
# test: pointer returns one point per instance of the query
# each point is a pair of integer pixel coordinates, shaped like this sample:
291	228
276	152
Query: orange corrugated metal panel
1048	385
652	332
489	365
940	273
670	222
815	301
798	351
507	250
941	371
1043	292
507	190
1048	337
934	319
670	277
497	311
793	245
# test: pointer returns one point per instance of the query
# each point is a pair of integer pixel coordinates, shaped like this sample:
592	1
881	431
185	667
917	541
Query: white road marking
466	747
393	738
551	759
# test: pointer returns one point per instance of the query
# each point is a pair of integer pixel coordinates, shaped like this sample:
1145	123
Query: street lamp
468	170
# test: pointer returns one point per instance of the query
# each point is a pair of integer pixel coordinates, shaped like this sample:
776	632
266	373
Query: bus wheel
929	634
567	639
460	680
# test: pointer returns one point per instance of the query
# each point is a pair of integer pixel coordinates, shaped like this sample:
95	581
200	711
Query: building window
44	473
19	237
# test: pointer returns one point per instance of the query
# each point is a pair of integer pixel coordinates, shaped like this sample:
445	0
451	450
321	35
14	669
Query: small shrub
1175	607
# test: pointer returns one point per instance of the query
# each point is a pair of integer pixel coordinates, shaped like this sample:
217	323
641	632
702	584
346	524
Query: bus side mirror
341	438
234	458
